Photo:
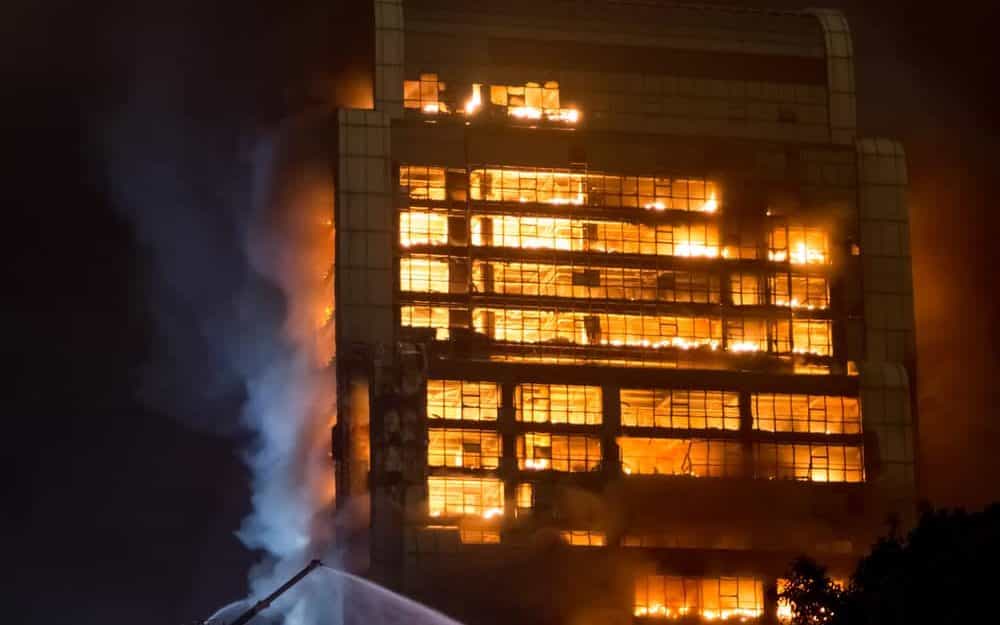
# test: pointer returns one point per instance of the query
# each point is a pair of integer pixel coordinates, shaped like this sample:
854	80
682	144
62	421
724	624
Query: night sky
122	433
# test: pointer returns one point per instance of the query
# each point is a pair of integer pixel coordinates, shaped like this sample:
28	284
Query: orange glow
799	245
464	496
583	538
719	598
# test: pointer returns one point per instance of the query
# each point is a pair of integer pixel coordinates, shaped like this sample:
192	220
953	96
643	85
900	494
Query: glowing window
423	183
558	403
463	400
583	538
470	449
533	101
514	278
680	456
424	274
678	408
424	94
525	498
423	226
711	598
799	245
746	289
818	414
558	452
694	240
809	462
470	536
800	291
552	186
811	336
746	335
582	328
464	496
426	316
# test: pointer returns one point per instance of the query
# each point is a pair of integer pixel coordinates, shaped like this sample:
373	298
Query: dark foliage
941	573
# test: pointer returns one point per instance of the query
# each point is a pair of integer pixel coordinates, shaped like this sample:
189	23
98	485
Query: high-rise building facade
623	311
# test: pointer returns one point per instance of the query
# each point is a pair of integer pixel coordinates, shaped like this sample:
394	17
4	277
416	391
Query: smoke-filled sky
136	123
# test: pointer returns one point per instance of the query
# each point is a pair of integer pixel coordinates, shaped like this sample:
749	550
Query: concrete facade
758	105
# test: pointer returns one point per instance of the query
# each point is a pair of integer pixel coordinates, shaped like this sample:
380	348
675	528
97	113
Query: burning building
623	311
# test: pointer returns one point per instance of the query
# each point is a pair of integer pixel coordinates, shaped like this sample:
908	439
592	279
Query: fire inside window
818	414
531	101
681	456
558	404
583	538
540	451
464	496
816	462
711	598
680	409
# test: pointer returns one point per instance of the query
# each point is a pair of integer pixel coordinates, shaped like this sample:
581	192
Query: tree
813	597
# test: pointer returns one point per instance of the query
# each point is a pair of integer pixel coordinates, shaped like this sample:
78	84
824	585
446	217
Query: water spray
266	602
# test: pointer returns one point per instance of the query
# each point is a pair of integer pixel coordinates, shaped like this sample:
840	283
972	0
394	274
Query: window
515	278
423	183
746	289
809	462
533	101
426	316
464	496
423	226
469	449
678	408
558	233
558	403
800	291
558	452
711	598
680	456
424	94
525	498
582	328
462	400
799	245
583	538
746	335
552	186
818	414
424	274
811	336
470	536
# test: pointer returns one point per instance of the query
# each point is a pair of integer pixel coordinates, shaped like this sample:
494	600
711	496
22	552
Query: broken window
799	245
464	496
469	449
680	408
583	538
710	598
800	291
533	101
422	183
559	327
423	226
424	94
541	451
426	316
463	400
557	233
545	280
817	414
815	462
558	403
681	456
